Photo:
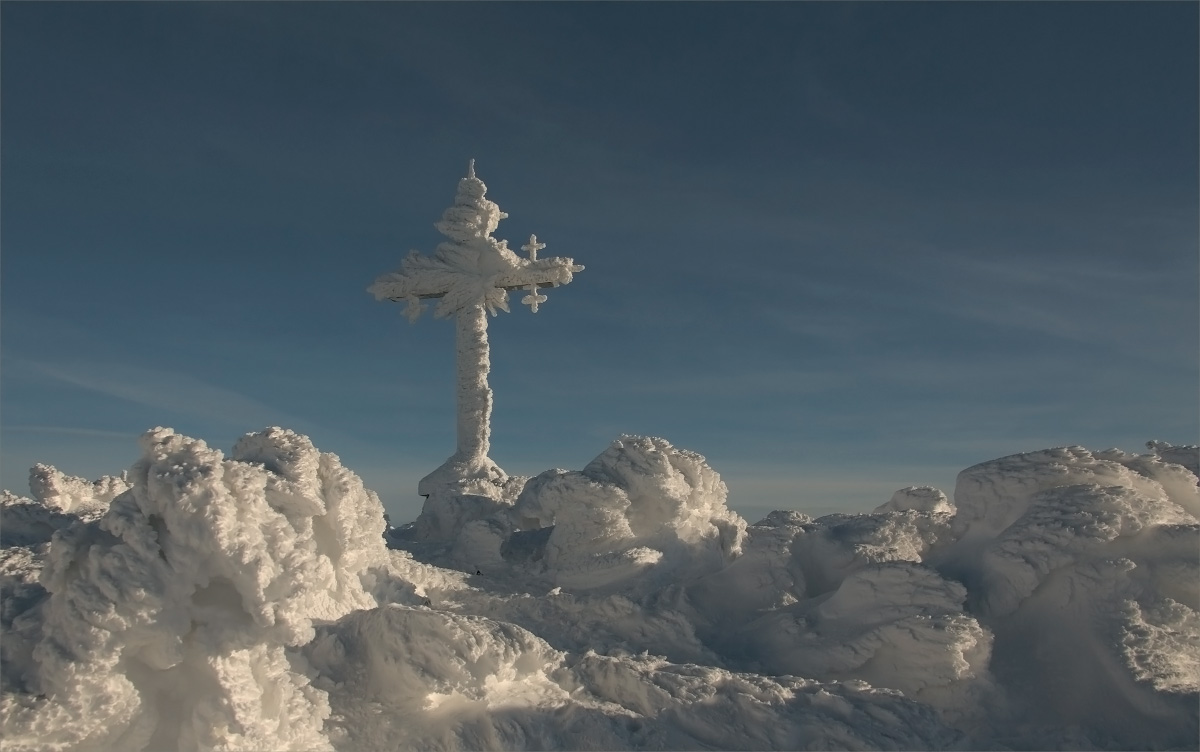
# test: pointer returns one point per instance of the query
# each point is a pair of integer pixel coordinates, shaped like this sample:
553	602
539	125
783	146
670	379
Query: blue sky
836	248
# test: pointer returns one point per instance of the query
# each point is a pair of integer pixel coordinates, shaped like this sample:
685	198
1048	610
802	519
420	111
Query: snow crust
257	601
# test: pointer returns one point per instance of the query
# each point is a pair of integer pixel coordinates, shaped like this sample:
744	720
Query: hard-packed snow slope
258	601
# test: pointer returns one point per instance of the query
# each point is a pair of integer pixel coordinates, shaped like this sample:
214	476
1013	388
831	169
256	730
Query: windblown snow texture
166	622
210	602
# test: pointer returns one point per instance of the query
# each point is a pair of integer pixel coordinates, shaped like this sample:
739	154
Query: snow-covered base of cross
461	468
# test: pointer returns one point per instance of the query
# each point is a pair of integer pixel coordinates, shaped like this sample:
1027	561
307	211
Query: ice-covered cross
472	274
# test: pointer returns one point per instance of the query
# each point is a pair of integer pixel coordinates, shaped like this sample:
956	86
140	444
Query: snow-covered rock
837	545
396	673
846	597
641	508
66	493
917	499
1064	527
897	625
57	501
20	620
168	618
1090	563
25	522
992	495
1184	455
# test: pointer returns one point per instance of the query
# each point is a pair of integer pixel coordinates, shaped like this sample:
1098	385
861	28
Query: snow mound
25	522
168	616
703	707
58	500
451	507
414	678
837	545
917	499
1091	561
576	622
897	625
1064	527
642	509
1185	455
394	674
26	528
66	493
20	595
992	495
640	514
846	597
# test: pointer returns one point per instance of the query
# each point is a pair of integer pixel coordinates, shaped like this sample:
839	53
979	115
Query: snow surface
258	601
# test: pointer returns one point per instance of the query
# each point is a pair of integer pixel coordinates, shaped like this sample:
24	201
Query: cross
472	274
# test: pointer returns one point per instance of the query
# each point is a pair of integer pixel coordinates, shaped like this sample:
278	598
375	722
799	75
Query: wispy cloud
158	389
67	431
1103	302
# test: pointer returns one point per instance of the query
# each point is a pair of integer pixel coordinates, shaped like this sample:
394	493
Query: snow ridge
210	602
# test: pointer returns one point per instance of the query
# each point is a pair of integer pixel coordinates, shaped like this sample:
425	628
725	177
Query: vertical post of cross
473	396
472	274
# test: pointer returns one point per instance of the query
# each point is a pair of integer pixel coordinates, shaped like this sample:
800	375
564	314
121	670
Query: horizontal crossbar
426	296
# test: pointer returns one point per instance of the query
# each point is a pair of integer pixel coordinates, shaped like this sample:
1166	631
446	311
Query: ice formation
58	500
641	514
472	274
166	622
204	601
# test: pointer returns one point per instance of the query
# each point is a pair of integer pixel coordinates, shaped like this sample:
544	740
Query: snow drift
208	602
166	619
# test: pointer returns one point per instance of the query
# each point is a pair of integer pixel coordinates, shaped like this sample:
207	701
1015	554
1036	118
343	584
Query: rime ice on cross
472	274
